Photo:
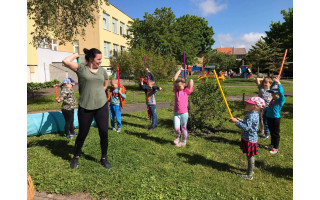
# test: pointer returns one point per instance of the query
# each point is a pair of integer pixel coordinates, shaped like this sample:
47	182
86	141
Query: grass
49	102
146	165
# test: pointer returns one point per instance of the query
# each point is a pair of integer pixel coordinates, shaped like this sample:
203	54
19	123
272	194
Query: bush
207	109
31	87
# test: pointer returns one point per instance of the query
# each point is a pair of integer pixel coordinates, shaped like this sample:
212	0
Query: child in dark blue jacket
273	114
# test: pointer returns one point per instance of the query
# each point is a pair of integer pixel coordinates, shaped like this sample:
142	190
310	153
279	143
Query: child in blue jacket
249	137
273	114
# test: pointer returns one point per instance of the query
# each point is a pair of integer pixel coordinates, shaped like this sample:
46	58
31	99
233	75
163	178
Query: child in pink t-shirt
180	115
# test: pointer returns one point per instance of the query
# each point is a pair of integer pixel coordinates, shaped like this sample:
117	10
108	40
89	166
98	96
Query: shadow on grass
198	159
59	148
147	137
280	172
132	116
132	124
165	123
287	111
219	139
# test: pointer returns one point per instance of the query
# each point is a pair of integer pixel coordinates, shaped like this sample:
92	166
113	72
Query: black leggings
85	118
68	118
274	128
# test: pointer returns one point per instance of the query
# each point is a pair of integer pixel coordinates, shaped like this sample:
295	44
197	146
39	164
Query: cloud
243	41
208	7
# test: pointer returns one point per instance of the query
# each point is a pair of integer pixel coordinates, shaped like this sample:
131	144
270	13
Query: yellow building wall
32	57
109	35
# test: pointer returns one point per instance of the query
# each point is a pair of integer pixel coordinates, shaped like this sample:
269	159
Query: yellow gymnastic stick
224	98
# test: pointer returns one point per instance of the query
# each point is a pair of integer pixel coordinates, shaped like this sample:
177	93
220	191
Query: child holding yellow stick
249	137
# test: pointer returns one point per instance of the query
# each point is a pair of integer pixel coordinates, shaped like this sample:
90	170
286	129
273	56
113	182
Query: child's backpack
122	100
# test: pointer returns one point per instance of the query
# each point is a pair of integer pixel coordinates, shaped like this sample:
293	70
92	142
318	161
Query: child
273	114
263	86
180	115
68	106
151	91
114	99
249	137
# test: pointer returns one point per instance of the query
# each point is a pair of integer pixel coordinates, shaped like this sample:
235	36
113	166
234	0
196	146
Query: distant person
93	81
68	105
249	137
180	112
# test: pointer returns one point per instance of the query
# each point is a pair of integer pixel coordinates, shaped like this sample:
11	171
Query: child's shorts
250	148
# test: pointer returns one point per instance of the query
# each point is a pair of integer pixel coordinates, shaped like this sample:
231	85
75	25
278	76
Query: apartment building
44	63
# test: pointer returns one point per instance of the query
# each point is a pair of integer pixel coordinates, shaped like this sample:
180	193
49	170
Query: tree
221	60
162	31
61	19
283	32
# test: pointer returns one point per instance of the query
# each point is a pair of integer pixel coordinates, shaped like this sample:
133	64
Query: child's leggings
69	118
250	165
181	119
115	112
274	127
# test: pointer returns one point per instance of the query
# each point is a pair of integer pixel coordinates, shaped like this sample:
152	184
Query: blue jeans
265	122
115	112
154	116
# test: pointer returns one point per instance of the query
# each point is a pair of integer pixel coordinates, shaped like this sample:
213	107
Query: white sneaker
119	129
274	151
114	129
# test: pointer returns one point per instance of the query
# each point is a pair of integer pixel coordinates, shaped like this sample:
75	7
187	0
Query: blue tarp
49	122
196	68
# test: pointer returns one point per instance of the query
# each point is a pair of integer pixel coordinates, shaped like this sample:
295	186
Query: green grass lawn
135	95
146	165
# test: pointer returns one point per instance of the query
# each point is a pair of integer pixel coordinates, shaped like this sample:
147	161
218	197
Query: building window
115	25
106	21
76	46
128	32
115	50
43	44
121	28
54	45
107	50
122	48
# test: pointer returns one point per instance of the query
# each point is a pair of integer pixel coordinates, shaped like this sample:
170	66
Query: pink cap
256	101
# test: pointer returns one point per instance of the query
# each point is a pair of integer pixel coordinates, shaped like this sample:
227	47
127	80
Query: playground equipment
206	74
244	71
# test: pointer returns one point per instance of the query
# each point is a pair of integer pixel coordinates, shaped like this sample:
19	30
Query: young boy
114	98
273	114
264	85
151	91
68	106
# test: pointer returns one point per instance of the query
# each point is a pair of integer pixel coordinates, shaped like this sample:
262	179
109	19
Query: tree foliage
169	35
132	62
282	32
221	60
61	19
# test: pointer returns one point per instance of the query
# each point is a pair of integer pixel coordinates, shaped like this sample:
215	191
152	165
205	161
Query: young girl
264	85
180	115
249	136
68	106
114	98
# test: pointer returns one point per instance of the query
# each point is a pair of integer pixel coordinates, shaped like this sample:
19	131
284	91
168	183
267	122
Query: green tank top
91	87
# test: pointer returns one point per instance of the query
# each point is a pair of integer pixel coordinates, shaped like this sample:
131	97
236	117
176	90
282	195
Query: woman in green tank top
93	81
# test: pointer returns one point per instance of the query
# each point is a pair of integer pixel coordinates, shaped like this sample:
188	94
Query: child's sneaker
265	137
176	141
73	134
274	151
69	136
245	176
181	144
104	162
114	129
268	146
74	163
119	129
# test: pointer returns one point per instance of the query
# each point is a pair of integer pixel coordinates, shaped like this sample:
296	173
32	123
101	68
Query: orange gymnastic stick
55	89
284	57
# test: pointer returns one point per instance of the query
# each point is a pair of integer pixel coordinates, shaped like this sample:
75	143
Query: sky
236	23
